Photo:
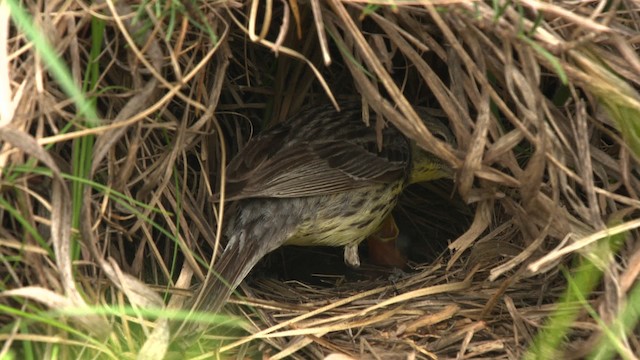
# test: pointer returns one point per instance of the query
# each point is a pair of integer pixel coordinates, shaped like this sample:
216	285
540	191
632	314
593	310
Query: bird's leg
351	257
382	247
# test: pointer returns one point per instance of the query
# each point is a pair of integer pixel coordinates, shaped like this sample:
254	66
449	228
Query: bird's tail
232	267
227	274
255	228
235	263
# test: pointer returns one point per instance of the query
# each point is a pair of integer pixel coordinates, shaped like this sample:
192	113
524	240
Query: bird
322	178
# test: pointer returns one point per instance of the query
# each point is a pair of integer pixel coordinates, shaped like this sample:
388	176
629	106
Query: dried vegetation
105	197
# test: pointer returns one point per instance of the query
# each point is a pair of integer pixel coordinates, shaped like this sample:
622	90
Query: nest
117	120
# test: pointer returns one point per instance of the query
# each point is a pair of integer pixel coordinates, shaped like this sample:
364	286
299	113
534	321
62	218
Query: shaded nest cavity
117	119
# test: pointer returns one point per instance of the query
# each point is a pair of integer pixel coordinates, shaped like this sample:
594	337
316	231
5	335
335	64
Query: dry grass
116	122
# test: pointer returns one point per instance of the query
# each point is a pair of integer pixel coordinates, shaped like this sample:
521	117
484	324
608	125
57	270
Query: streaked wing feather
308	169
255	154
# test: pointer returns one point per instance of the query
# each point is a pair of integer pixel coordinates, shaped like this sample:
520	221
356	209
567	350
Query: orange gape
382	245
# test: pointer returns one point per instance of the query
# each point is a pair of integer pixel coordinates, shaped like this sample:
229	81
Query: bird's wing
314	168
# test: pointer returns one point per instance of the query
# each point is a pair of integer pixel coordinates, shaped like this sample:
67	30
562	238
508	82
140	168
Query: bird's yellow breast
346	218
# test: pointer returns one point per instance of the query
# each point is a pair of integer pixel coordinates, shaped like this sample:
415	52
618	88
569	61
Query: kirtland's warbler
322	178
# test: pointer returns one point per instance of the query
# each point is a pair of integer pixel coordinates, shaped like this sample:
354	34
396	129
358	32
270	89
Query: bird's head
424	165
